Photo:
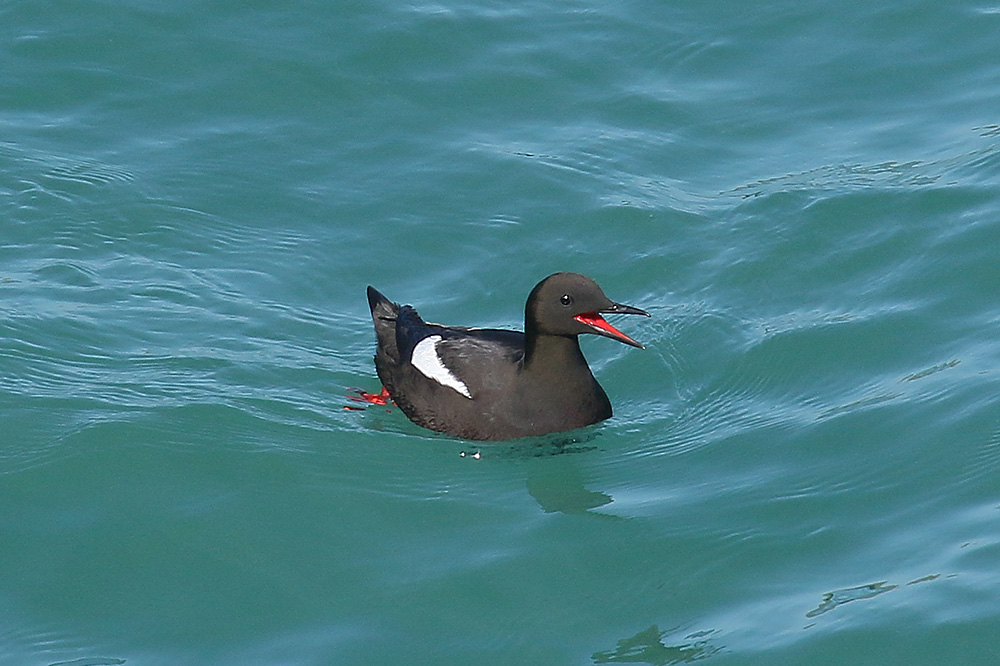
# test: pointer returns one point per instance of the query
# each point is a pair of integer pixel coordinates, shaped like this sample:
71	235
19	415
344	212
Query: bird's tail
384	313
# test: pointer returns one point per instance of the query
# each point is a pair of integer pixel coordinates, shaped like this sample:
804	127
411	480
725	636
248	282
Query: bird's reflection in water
553	477
560	488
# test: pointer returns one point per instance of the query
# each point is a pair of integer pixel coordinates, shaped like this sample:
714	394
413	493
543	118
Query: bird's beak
600	326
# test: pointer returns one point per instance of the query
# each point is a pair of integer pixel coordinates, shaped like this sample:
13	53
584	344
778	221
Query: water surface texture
804	462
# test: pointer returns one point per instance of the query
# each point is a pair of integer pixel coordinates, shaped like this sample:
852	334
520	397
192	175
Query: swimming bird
495	384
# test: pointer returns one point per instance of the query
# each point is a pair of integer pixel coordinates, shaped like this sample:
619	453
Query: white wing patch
425	359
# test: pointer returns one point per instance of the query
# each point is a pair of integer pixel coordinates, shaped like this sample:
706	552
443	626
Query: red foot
382	398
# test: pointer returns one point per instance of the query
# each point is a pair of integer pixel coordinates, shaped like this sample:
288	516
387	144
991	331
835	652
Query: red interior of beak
597	321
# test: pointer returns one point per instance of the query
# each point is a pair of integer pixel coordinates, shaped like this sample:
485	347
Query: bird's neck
557	383
553	352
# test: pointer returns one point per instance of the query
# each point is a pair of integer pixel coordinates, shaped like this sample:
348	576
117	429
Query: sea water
804	462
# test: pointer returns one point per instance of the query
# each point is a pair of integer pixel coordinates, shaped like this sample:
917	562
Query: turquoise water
804	463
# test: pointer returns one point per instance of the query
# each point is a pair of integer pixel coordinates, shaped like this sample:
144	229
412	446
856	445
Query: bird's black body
492	384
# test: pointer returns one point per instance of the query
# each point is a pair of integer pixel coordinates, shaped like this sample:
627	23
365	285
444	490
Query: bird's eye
566	299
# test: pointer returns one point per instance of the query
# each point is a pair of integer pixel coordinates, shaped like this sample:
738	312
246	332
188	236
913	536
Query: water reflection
561	488
553	479
845	596
647	647
840	597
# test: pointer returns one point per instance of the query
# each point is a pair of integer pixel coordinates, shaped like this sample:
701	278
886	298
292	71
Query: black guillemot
493	384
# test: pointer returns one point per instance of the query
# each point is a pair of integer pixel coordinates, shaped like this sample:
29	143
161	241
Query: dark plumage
491	384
